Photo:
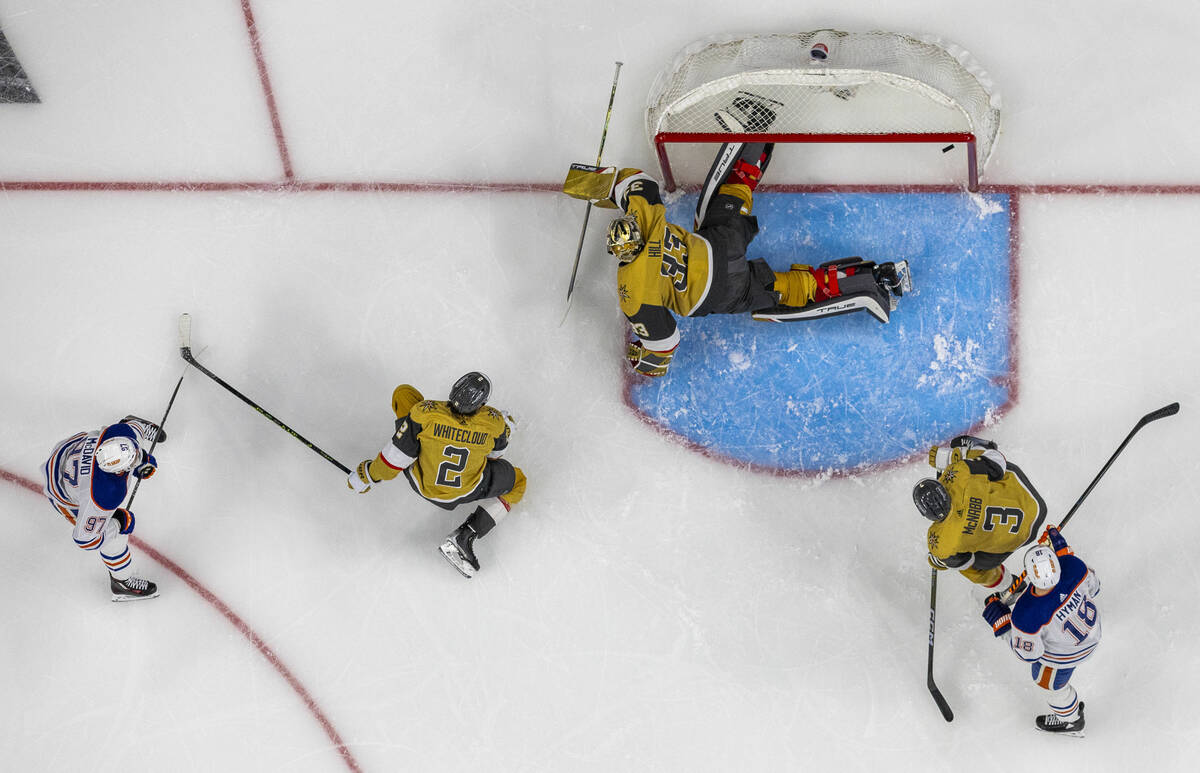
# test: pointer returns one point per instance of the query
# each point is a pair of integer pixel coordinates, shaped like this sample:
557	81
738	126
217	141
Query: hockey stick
933	688
1161	413
153	443
185	351
587	212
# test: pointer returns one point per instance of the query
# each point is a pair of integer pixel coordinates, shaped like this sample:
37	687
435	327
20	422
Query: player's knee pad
739	191
514	495
404	397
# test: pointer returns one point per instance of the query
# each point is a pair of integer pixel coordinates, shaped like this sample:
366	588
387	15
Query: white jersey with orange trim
1060	629
85	495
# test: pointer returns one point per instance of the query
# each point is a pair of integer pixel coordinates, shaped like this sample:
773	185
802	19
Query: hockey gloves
124	519
1054	539
147	468
646	362
998	615
360	480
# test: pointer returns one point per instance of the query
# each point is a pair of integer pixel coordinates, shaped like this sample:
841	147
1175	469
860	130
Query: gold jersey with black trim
672	273
988	519
451	450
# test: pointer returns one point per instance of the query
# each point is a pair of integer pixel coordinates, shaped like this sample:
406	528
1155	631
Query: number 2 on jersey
450	471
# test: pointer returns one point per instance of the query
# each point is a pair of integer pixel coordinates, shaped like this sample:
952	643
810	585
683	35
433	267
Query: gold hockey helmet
625	239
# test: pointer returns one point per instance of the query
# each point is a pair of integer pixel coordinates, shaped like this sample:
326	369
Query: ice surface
645	608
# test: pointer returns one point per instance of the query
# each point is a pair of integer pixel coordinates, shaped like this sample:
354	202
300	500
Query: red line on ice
264	79
235	621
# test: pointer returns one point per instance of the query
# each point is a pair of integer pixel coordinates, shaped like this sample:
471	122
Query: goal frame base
662	139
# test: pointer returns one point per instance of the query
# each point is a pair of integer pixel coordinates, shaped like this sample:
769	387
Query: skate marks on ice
840	394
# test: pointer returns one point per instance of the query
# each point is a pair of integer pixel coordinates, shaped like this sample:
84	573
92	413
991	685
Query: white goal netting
829	85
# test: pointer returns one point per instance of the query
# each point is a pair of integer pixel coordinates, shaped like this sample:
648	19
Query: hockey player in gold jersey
982	507
450	452
666	269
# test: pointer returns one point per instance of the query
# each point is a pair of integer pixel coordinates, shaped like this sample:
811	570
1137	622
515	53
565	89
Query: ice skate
459	550
1052	723
894	277
133	589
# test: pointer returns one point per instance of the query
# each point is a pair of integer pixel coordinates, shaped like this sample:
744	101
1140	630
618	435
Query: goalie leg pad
737	163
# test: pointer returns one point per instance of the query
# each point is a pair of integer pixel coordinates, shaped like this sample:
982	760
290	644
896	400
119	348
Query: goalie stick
185	351
587	212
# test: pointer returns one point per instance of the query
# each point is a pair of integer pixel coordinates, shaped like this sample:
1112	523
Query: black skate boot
894	277
1052	723
459	550
133	589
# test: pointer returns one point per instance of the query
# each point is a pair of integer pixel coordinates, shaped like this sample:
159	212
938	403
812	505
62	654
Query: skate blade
905	276
120	598
450	551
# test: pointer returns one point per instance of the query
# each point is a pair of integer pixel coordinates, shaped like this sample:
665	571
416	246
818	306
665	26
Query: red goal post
828	86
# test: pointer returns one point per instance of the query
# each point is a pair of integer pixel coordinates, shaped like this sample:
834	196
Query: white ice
644	608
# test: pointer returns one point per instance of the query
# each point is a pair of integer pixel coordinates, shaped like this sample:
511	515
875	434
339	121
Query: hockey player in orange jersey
449	450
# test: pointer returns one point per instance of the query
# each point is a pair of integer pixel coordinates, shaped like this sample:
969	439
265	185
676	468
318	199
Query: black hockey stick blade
941	701
1161	413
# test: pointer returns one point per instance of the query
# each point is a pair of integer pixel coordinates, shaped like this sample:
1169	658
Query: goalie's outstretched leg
738	163
838	287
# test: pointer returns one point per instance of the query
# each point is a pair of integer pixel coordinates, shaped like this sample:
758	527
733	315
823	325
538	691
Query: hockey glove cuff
998	615
360	479
124	519
1052	537
646	362
147	468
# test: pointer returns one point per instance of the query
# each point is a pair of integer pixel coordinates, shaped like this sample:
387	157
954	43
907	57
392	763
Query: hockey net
828	86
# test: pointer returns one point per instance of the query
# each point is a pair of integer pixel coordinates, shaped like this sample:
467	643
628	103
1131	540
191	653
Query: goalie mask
1042	567
932	499
625	239
117	455
469	393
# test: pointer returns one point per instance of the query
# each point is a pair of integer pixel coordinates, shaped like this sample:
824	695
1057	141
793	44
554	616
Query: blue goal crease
847	392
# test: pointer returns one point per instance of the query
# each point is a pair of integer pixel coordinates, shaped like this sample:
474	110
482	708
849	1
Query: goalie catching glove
647	362
597	184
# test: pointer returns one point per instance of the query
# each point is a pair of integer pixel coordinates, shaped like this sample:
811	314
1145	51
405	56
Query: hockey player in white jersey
1054	626
87	480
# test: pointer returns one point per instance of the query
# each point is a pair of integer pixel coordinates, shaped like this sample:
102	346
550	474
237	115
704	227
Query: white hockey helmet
1042	567
117	455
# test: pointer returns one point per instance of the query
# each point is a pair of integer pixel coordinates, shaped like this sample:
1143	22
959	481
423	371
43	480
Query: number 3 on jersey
450	471
674	261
